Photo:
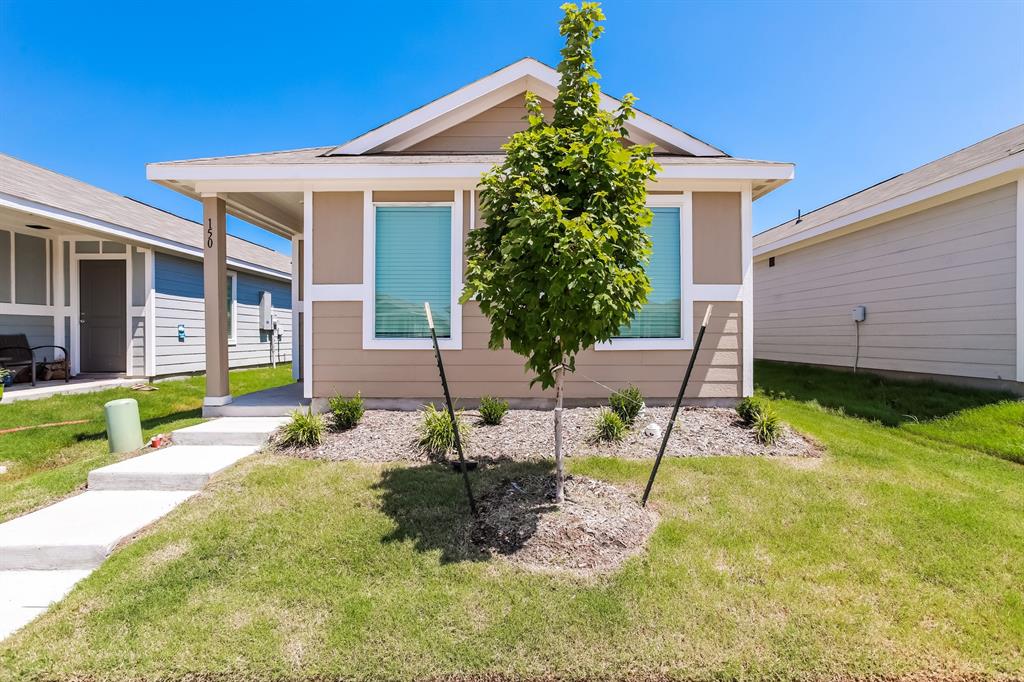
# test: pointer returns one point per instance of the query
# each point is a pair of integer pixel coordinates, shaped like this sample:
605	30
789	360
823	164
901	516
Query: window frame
370	339
684	202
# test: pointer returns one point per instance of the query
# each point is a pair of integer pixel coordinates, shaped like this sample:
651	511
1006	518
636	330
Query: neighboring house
935	256
377	226
113	280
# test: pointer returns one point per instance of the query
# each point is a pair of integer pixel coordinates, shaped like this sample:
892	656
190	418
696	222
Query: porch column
218	392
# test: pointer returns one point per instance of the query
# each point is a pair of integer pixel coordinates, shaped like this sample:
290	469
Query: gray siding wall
939	286
179	299
38	328
138	367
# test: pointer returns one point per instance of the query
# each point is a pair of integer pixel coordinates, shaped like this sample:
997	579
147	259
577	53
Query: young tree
559	265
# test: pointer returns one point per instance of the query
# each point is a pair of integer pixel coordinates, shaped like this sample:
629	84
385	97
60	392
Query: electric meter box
860	313
266	312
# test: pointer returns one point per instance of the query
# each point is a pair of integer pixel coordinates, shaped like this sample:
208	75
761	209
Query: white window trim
233	331
370	341
684	202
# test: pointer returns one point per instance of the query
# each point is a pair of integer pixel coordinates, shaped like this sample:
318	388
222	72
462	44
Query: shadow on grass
429	506
870	396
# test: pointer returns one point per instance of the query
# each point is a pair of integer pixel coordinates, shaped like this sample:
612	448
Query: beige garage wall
939	286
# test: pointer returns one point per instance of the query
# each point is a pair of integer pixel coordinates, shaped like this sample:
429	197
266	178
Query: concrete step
252	431
26	594
179	467
79	532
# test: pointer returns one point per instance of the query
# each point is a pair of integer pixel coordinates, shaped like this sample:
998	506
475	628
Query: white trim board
527	73
1020	278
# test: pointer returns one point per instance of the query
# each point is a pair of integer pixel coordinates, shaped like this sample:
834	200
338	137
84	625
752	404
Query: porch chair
17	355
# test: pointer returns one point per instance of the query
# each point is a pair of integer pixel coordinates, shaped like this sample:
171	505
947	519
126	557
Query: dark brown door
102	315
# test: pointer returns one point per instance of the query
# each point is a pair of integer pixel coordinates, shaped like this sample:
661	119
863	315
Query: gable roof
28	187
526	74
989	158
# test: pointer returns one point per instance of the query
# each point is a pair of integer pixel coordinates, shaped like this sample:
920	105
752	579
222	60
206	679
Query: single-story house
119	284
377	227
930	261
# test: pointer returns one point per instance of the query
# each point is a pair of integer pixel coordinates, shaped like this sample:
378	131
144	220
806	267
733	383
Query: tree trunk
559	459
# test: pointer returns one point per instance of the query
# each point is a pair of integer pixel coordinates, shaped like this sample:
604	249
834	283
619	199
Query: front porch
83	383
279	401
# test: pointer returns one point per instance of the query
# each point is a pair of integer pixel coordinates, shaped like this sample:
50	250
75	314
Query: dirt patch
596	528
524	435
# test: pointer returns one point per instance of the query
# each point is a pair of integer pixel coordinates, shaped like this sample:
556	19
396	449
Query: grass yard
898	554
45	465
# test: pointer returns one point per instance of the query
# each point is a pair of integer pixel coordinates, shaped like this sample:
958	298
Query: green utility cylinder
124	430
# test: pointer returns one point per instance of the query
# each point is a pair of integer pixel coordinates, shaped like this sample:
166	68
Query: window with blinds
413	248
659	317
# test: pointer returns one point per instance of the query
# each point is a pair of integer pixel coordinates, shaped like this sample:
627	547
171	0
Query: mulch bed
524	435
596	528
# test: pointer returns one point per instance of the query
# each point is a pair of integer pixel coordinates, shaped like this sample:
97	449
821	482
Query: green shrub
492	410
346	411
304	429
436	434
767	426
750	407
609	425
627	403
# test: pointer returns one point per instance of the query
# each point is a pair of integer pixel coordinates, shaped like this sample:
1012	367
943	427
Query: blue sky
853	93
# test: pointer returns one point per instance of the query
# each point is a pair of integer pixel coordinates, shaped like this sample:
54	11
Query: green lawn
47	464
897	554
982	420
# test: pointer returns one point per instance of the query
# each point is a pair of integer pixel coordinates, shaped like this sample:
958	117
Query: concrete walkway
43	554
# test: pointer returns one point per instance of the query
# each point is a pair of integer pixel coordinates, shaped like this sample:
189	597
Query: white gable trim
482	94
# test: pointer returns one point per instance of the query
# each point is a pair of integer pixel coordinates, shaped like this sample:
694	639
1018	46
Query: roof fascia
105	228
984	177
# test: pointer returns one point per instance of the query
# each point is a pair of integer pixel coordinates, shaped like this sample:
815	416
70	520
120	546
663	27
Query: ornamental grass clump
436	434
627	403
346	411
759	415
492	410
304	429
608	426
767	426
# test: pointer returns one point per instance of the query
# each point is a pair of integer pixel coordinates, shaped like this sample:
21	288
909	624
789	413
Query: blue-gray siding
38	328
179	300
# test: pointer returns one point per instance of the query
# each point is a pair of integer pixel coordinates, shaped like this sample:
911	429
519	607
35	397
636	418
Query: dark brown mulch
596	528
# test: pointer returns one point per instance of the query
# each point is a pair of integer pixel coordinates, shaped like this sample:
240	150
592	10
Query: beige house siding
717	237
939	286
485	132
340	366
337	237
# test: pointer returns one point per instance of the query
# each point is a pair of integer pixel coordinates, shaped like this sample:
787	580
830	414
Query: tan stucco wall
413	196
341	366
717	238
939	287
337	237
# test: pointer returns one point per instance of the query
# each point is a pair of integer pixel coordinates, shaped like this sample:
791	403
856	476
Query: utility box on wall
266	312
